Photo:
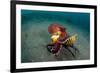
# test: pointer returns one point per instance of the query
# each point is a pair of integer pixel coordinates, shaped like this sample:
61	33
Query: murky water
35	36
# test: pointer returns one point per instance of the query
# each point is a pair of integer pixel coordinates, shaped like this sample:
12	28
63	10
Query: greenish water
35	36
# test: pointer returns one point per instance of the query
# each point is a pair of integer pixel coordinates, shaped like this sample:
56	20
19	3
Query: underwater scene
35	35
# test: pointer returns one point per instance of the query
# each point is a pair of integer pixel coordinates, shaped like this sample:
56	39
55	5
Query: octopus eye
58	33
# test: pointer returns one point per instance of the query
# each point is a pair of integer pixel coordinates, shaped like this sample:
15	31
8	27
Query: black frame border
13	35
